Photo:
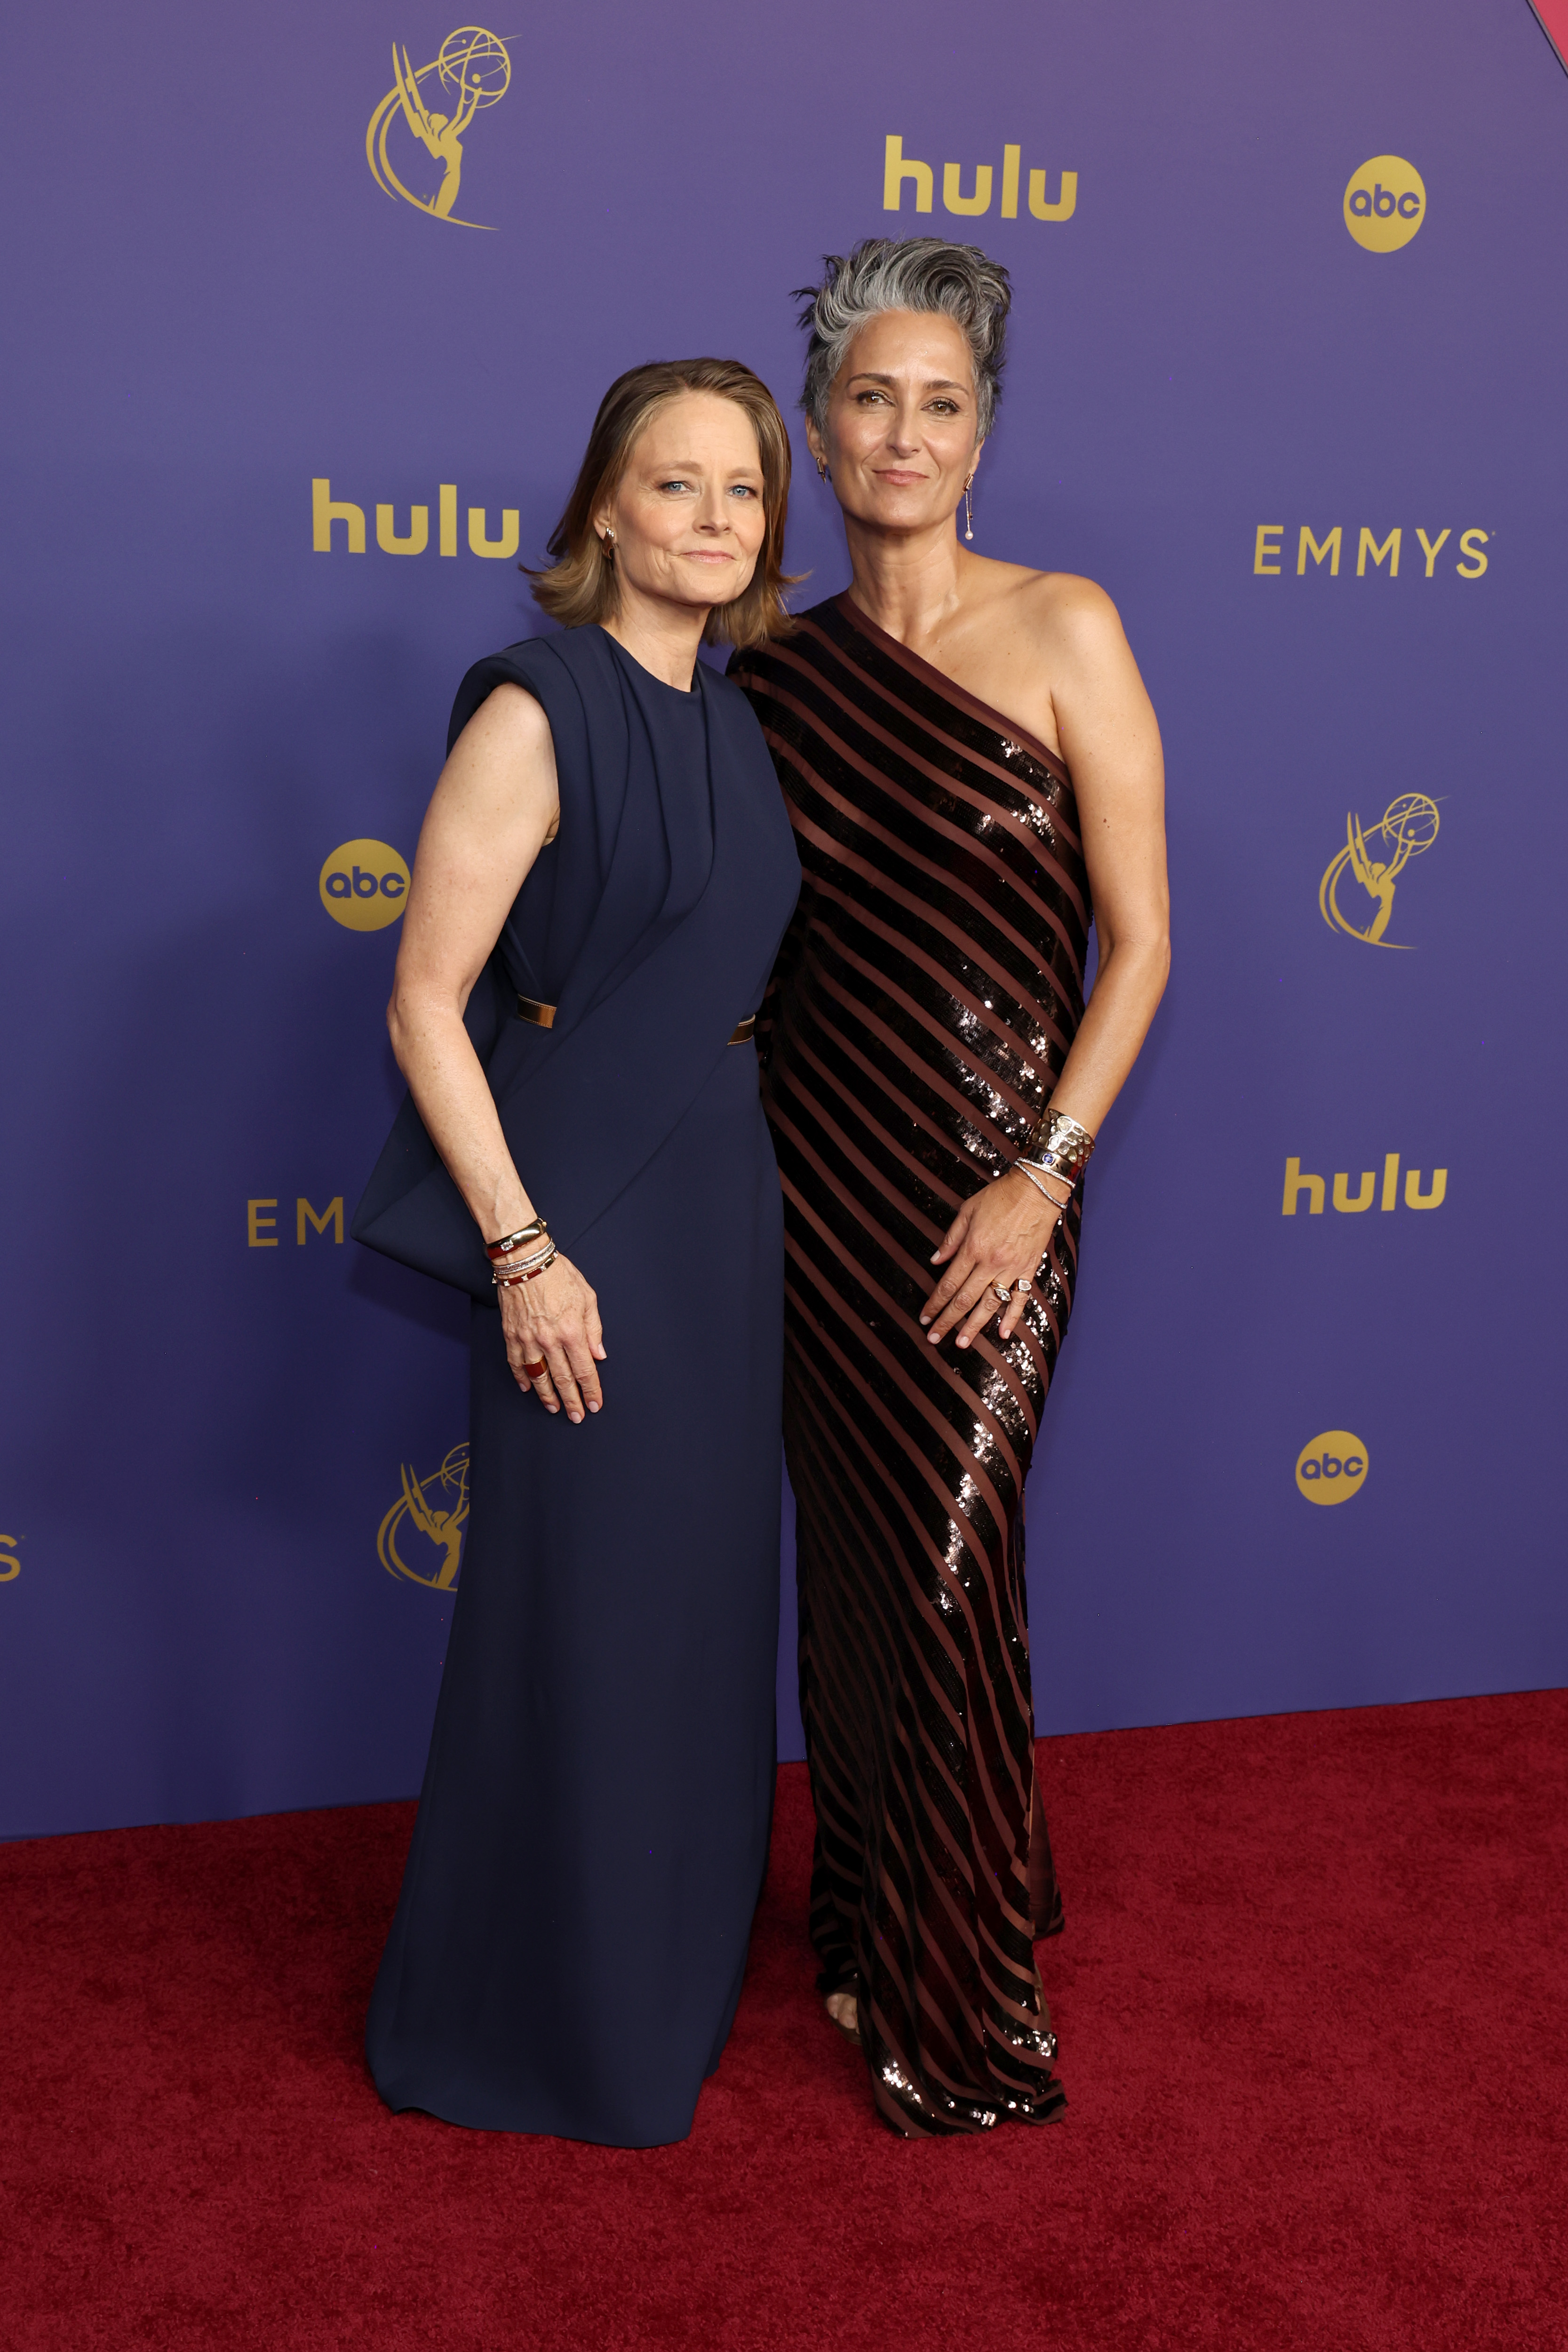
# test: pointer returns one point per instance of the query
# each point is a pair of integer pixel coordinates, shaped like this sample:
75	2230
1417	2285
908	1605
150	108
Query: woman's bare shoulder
1063	602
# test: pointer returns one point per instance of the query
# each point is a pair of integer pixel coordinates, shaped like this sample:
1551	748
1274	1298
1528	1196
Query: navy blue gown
569	1944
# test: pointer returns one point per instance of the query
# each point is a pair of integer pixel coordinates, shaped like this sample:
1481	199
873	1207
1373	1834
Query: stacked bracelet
527	1269
536	1231
1037	1177
1059	1146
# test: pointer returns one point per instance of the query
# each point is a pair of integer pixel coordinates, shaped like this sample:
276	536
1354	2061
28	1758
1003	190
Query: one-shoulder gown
592	1834
923	1007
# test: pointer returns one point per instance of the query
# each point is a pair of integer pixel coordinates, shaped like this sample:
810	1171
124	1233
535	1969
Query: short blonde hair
580	585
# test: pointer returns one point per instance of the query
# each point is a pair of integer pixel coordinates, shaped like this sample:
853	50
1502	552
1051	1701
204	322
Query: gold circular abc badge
364	885
1331	1467
1385	203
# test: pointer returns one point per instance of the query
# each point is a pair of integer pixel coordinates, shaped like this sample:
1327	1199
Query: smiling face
900	437
688	512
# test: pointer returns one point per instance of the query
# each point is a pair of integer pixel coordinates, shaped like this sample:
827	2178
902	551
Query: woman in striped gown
971	765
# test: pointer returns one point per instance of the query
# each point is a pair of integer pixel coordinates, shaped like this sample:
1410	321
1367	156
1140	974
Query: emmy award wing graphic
1406	829
471	71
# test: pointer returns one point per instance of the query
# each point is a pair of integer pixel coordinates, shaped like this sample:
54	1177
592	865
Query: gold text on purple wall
899	170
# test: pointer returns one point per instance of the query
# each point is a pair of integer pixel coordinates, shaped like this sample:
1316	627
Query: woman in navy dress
602	881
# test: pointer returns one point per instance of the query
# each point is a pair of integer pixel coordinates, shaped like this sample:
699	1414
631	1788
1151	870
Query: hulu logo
1368	1191
898	169
328	513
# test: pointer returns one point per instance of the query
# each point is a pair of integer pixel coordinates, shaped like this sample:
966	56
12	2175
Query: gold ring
537	1372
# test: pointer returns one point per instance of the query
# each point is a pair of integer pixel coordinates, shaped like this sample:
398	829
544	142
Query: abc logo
1385	203
363	886
1332	1468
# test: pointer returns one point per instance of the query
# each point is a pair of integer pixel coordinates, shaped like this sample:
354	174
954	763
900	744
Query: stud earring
968	517
822	474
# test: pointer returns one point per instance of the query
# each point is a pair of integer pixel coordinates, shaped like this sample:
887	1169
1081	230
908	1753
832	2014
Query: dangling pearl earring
607	542
968	517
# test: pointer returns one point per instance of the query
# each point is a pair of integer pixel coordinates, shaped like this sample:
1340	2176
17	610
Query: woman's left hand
998	1235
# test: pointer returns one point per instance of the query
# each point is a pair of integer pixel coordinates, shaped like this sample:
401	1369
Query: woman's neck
909	582
663	638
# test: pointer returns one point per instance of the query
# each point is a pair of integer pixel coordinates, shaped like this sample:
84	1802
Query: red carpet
1312	2017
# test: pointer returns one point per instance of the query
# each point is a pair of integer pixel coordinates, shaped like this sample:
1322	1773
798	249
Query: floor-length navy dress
569	1943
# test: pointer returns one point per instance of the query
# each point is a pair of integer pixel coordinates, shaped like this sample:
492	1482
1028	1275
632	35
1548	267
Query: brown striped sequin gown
921	1009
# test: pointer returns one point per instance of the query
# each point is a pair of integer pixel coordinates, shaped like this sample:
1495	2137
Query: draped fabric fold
633	921
920	1013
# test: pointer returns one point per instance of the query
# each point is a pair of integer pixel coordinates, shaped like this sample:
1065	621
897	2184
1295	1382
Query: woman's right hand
554	1320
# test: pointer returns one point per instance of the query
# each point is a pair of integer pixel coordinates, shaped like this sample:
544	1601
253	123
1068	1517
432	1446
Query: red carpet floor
1311	2009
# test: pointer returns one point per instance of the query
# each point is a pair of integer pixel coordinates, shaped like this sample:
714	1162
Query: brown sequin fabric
921	1009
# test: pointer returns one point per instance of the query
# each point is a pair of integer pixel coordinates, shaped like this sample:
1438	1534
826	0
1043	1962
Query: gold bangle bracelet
536	1231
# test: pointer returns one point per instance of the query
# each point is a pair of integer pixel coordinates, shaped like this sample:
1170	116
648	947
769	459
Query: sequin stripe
894	1887
992	918
849	1670
940	1087
924	835
883	969
893	1863
937	700
946	1384
995	1757
959	965
919	1118
820	664
836	1130
914	1615
892	1384
1035	944
887	1630
934	790
944	1573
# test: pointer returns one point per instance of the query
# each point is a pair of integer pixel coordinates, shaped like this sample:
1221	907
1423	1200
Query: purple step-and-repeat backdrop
312	309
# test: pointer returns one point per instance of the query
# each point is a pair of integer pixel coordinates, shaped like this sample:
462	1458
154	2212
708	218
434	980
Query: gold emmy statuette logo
10	1566
1332	1468
1385	203
363	886
434	1508
472	71
1407	828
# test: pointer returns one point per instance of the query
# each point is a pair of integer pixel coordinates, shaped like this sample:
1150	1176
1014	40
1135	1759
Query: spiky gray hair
907	273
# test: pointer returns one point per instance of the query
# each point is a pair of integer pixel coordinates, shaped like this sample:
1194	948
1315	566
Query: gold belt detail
542	1016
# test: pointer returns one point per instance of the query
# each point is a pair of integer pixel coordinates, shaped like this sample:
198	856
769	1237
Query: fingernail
593	1408
964	1343
924	1320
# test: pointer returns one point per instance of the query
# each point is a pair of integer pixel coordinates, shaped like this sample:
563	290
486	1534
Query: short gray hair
909	273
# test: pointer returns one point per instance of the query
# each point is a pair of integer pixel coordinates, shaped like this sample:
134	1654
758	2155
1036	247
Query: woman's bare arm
491	812
494	808
1111	742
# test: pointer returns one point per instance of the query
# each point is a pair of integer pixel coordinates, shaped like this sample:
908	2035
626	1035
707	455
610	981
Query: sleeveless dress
921	1009
593	1830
